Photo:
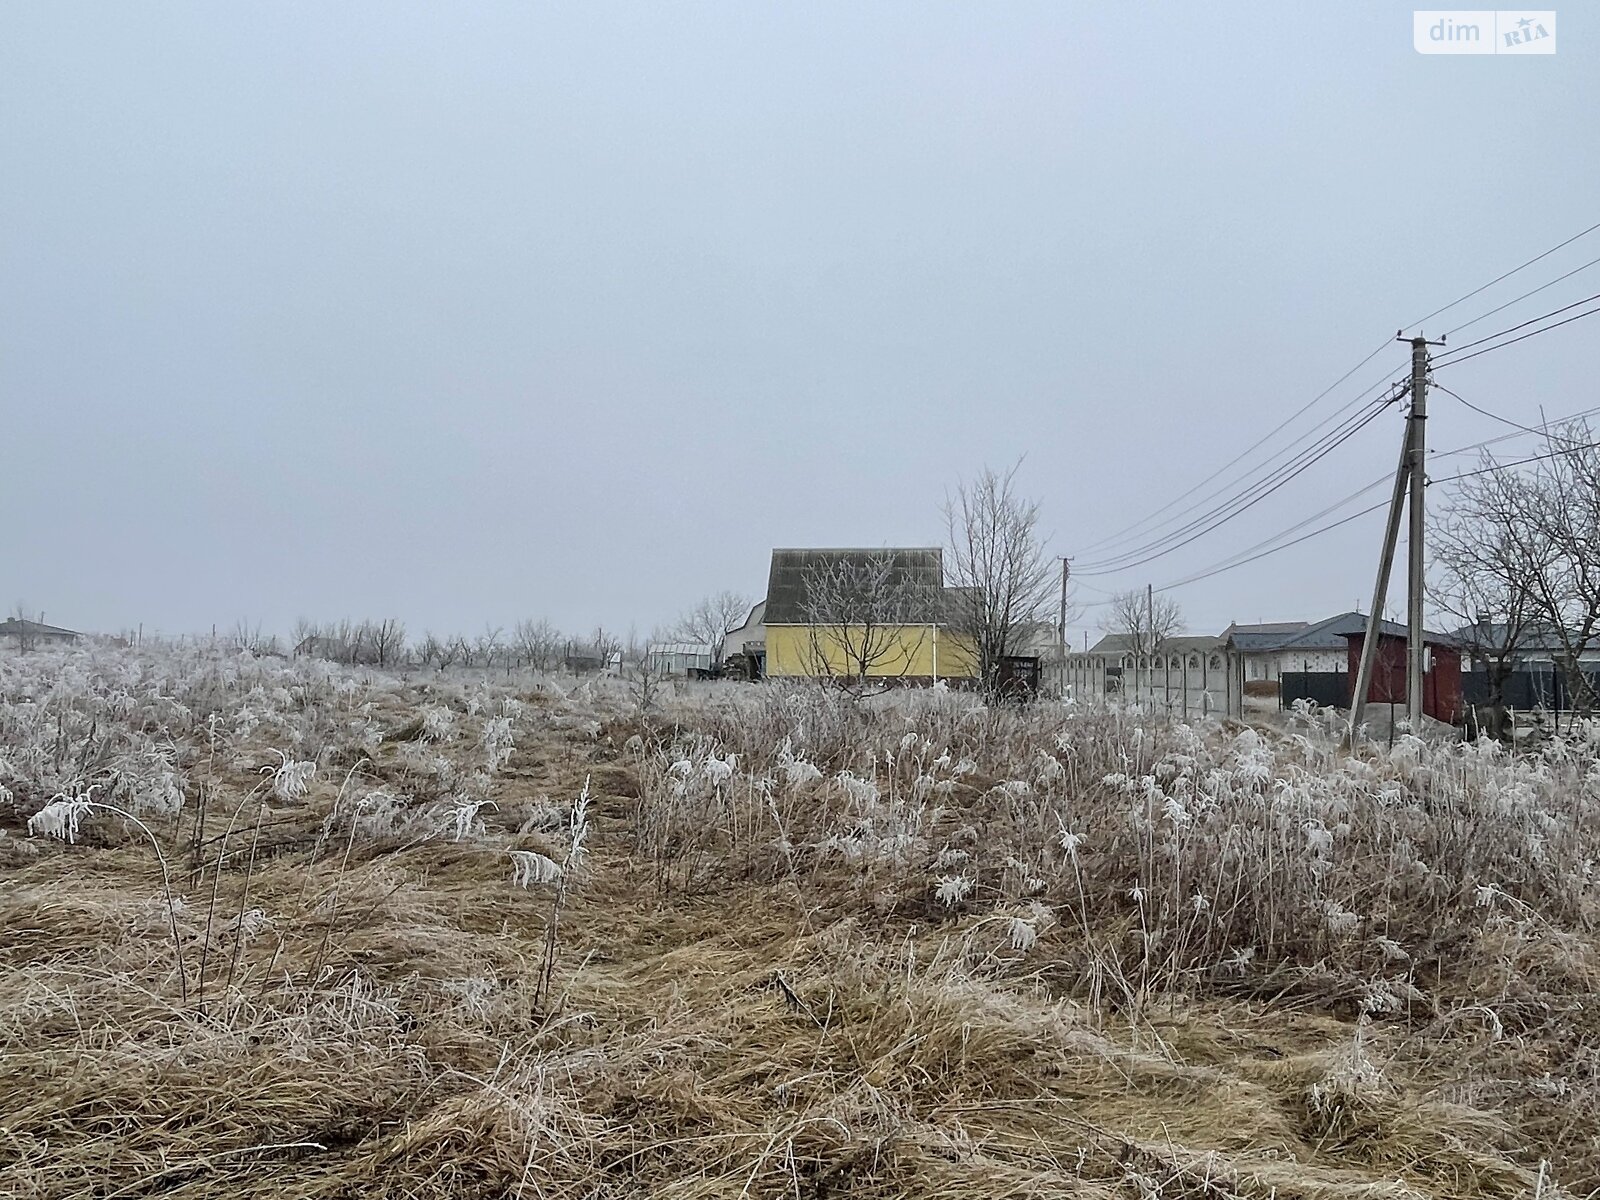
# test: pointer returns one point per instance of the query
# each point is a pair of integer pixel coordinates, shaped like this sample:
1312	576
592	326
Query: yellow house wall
790	652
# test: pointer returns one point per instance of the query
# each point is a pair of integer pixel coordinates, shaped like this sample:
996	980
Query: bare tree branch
1000	578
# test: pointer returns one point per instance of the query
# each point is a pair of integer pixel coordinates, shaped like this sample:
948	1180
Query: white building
18	633
744	647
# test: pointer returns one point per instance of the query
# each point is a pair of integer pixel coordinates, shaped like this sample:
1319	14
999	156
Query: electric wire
1521	338
1507	275
1483	411
1571	448
1265	553
1265	547
1501	308
1243	454
1205	524
1454	350
1279	473
1254	490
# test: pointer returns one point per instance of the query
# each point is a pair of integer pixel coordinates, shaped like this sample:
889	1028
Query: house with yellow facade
882	615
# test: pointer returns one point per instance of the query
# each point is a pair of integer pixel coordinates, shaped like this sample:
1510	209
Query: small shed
1441	681
679	658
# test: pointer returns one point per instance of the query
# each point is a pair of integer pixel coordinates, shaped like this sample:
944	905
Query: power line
1523	325
1242	502
1265	553
1501	278
1258	476
1505	437
1571	448
1484	411
1246	452
1267	548
1200	520
1521	338
1228	561
1277	471
1501	308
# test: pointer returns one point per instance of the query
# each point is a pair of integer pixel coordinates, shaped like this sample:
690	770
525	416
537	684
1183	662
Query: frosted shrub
531	867
498	742
291	778
952	890
60	818
1021	934
438	724
464	820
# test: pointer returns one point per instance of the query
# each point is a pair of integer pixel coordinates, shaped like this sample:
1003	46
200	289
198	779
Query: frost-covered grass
273	927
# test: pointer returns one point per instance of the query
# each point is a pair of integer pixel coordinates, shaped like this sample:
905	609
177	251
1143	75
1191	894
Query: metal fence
1329	689
1531	687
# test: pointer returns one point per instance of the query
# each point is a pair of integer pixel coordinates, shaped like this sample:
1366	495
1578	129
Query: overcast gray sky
470	312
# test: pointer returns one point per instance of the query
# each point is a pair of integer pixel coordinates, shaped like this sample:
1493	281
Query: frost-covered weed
1236	852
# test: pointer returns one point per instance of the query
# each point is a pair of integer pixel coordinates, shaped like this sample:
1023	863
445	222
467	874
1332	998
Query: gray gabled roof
12	627
786	582
1332	634
1534	635
758	614
1263	636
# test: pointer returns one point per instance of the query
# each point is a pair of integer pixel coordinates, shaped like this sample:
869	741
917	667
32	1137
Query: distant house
1539	643
679	658
18	633
1320	663
916	644
1260	646
1323	646
744	647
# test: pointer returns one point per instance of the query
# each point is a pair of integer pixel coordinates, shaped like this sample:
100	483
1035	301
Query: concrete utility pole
1410	476
1061	623
1415	582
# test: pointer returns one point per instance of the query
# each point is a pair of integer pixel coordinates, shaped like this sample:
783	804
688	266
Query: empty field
274	928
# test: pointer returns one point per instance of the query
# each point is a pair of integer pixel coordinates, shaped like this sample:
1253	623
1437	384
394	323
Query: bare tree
1146	620
450	651
645	677
347	641
1562	511
708	622
386	639
866	617
605	644
305	630
1000	578
489	645
428	650
25	627
538	644
1488	554
251	638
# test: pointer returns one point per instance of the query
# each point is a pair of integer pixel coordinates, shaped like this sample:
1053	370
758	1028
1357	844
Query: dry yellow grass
758	1033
